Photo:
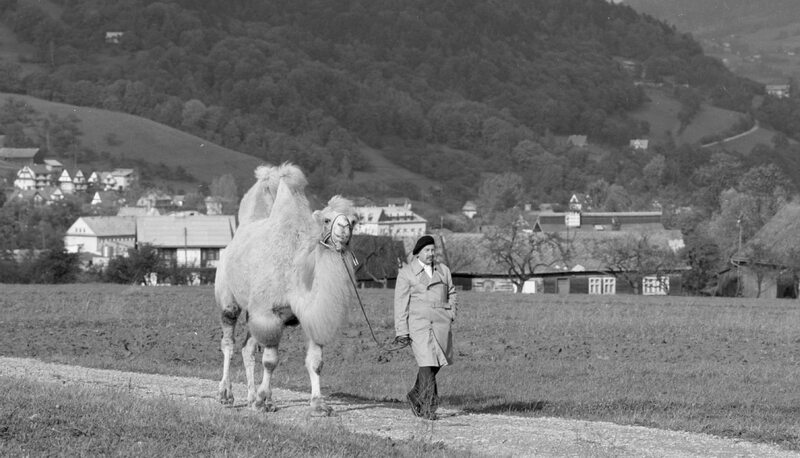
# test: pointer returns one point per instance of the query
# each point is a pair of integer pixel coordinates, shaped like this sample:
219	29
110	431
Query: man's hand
403	341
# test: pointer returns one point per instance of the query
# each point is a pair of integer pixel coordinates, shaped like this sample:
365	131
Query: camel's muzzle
338	235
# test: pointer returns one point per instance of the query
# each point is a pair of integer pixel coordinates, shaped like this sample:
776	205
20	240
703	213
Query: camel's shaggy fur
257	202
277	270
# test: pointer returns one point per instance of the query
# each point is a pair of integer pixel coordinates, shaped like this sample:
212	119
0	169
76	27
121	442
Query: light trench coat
424	309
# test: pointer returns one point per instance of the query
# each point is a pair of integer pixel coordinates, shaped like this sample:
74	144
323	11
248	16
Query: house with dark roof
581	271
19	156
767	265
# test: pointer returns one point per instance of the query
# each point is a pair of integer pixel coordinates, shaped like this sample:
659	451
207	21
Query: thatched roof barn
769	263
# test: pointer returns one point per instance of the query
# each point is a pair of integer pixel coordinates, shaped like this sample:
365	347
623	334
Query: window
602	285
209	254
169	254
655	286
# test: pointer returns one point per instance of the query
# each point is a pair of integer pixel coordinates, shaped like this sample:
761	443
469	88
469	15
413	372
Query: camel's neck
326	292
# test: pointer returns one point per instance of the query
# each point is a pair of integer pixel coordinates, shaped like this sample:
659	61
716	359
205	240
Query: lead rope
364	312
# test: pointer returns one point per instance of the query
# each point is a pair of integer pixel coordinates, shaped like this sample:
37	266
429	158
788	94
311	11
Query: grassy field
661	112
727	367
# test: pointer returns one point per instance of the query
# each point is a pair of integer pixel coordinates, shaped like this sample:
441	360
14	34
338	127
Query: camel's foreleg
228	320
319	407
249	358
264	394
265	329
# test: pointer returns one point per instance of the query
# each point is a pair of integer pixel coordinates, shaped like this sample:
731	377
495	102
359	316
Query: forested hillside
452	90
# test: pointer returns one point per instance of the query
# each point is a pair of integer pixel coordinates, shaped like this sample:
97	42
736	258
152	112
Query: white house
188	239
470	209
65	182
114	37
120	179
396	222
639	144
26	178
778	90
34	176
92	234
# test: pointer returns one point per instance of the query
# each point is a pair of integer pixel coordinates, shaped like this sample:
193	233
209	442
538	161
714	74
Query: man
424	309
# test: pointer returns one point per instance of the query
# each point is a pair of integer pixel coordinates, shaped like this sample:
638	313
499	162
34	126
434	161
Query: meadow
721	366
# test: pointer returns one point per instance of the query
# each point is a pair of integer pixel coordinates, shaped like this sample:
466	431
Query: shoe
416	408
430	416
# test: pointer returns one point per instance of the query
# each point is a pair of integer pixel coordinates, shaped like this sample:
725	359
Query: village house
469	209
767	267
43	196
155	198
71	183
474	268
102	236
114	37
19	156
640	144
119	179
780	91
194	240
397	222
579	141
34	176
107	199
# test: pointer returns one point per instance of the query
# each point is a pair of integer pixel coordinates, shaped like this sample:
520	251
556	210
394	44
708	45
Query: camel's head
337	221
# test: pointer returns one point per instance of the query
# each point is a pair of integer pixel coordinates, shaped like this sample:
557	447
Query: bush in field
54	266
49	266
131	269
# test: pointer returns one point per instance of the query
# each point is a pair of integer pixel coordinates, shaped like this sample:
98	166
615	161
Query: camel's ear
317	216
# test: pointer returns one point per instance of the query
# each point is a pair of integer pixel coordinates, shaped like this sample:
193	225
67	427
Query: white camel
284	265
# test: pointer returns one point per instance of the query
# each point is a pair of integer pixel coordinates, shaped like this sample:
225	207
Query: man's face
427	254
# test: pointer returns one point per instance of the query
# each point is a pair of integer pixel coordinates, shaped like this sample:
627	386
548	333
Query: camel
285	266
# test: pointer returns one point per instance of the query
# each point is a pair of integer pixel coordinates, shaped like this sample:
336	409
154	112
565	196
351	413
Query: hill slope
140	138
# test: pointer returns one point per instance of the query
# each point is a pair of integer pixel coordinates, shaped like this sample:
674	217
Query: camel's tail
257	202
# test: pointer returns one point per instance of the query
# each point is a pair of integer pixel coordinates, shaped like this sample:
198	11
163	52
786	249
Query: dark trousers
425	393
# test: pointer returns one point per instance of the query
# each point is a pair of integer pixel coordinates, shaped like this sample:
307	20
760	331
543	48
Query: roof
18	153
594	221
138	211
107	226
121	172
196	231
469	206
781	234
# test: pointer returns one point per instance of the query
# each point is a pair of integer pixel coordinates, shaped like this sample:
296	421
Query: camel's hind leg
266	329
319	408
228	318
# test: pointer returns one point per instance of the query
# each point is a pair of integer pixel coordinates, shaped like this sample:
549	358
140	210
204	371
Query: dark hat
423	241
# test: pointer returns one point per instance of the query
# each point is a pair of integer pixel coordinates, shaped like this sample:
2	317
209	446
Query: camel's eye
327	220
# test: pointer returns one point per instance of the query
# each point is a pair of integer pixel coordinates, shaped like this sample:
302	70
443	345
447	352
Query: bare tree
515	246
633	257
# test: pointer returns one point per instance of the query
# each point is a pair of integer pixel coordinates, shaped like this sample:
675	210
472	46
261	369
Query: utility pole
739	261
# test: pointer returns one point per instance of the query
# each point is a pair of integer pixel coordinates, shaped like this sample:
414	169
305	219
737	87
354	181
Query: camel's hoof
226	398
320	409
266	407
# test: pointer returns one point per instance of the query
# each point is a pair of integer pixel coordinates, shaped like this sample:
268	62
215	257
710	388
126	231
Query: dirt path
491	435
